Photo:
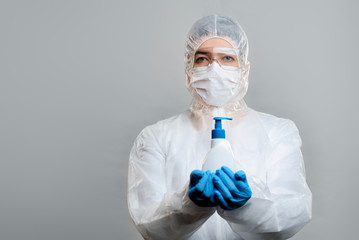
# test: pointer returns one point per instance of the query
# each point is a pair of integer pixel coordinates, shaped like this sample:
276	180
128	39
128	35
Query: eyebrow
202	52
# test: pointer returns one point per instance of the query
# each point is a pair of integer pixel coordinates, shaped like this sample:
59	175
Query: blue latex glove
201	188
231	189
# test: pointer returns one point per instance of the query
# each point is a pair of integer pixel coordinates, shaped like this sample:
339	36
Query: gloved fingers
196	191
238	176
202	194
242	184
208	193
239	187
199	187
229	172
221	187
228	182
230	204
220	200
209	188
196	175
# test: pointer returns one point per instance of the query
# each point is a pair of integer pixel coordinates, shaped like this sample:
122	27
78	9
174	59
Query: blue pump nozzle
218	132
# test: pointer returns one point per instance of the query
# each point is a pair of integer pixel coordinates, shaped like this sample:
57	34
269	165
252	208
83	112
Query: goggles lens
225	57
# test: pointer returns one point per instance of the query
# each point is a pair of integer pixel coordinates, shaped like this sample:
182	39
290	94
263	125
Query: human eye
228	58
200	59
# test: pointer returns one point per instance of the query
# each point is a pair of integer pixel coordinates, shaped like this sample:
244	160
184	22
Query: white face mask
216	85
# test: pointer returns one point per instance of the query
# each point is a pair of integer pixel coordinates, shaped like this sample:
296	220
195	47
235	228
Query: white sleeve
156	212
282	206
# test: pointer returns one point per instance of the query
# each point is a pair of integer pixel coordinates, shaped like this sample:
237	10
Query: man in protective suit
265	197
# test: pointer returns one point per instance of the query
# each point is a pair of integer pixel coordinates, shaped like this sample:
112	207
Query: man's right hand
201	188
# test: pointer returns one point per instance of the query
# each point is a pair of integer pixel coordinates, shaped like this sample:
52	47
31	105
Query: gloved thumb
240	175
196	175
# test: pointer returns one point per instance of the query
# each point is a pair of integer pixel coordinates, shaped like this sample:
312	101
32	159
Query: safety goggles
227	58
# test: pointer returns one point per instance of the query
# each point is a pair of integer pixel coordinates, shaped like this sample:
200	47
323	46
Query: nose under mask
216	85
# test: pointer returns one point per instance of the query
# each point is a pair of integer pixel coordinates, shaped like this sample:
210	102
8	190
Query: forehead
215	42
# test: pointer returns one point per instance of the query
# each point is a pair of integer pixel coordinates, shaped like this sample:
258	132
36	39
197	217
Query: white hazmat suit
267	148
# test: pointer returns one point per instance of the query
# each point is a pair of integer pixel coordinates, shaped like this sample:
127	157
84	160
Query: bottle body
220	155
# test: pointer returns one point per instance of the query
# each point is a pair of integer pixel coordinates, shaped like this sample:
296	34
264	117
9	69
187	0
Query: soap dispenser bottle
221	152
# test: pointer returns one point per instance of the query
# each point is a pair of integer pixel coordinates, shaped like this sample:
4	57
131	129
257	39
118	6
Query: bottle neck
217	141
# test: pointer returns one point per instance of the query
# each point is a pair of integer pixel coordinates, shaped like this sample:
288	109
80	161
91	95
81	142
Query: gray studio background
80	79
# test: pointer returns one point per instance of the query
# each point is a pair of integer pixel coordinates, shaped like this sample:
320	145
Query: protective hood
216	26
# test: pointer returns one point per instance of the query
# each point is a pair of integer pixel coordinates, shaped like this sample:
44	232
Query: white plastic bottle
221	152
